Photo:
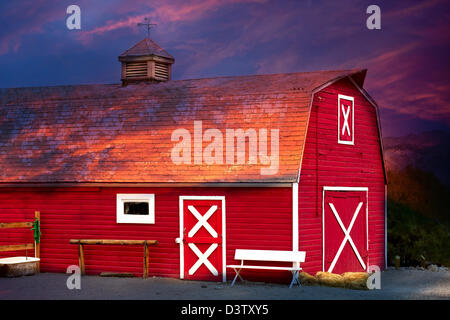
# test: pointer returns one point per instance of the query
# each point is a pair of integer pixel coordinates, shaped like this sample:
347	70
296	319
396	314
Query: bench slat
270	255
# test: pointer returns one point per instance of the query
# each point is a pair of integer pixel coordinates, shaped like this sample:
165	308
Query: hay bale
356	280
307	279
330	279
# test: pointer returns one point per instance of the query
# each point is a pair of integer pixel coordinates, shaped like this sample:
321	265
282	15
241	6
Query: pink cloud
402	75
164	13
400	82
86	36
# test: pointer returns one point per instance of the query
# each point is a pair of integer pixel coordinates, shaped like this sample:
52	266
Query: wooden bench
296	257
81	242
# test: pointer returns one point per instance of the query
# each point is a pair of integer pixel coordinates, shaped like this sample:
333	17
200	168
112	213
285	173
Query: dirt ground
395	284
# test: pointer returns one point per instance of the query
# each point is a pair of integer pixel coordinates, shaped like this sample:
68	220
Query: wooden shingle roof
146	47
110	133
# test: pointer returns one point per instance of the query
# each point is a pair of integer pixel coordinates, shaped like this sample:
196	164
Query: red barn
204	166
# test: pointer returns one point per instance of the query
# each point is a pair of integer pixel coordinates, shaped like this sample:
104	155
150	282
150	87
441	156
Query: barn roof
110	133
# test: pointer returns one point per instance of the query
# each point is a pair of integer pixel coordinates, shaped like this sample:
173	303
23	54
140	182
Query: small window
136	208
346	119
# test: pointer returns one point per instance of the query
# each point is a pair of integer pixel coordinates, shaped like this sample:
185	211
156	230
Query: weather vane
147	24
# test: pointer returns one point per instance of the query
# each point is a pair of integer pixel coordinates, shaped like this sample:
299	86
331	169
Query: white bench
296	257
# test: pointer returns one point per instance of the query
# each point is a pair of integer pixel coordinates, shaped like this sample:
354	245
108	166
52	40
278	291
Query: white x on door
345	230
202	238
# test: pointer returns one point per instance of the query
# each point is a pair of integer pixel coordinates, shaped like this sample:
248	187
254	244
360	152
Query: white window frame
352	99
121	217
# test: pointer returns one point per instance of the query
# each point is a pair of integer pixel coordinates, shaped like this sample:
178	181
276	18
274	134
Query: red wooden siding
327	163
256	218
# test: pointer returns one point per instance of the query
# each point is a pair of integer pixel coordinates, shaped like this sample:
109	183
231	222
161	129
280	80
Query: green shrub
411	235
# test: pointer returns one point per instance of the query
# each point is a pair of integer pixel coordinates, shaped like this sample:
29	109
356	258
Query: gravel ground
395	284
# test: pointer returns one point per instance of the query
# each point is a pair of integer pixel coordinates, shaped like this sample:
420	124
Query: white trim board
295	218
345	188
329	188
352	99
180	239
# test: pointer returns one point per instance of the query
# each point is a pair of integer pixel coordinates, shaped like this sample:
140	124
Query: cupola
146	62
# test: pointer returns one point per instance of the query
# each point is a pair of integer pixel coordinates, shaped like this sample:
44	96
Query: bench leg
81	258
237	275
294	278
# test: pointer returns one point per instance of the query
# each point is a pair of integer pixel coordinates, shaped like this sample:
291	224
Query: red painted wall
256	218
327	163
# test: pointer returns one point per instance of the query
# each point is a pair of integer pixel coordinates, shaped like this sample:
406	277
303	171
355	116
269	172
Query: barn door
345	230
202	234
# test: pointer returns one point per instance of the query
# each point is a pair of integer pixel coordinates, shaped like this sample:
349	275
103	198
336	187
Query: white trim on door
180	239
345	189
328	188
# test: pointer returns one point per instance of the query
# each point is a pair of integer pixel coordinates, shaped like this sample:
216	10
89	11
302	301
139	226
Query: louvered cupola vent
161	71
146	62
136	69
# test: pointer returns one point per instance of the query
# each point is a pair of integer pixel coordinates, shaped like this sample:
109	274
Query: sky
407	59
